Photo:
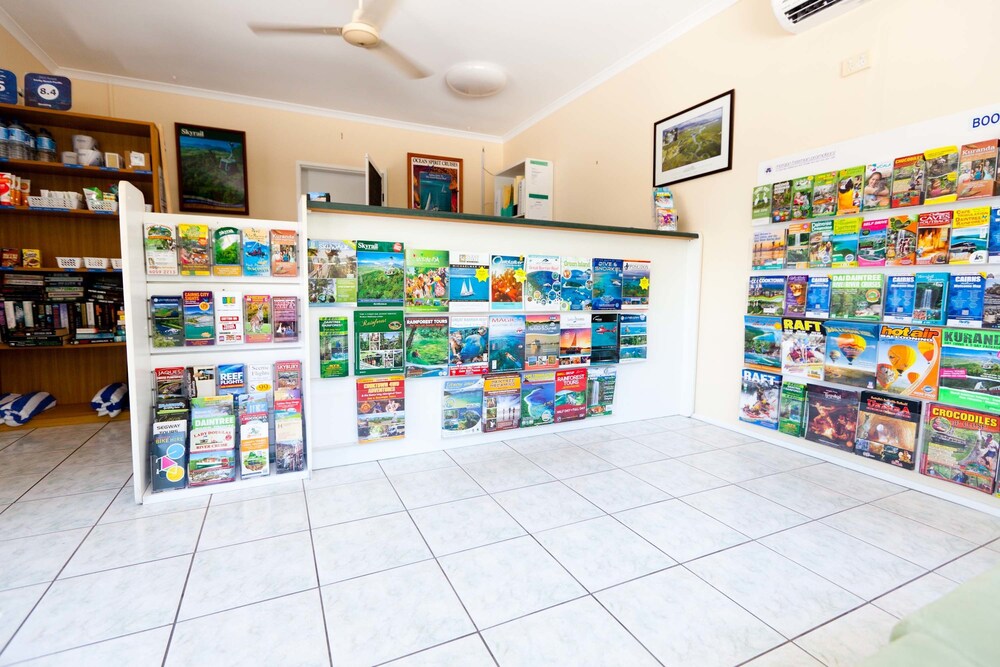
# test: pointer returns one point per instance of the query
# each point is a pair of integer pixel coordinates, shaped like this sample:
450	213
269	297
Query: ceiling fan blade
400	61
270	29
377	12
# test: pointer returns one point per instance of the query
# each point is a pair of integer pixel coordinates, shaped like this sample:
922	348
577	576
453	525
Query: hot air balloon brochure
761	211
378	342
933	232
851	353
506	343
965	299
759	398
797	245
766	296
633	337
635	284
571	394
802	189
574	339
856	296
607	292
601	390
333	272
795	295
900	290
762	343
929	296
468	345
426	346
427	280
901	241
604	329
845	242
970	236
543	283
507	282
960	445
832	416
821	244
333	347
803	348
501	402
462	406
256	252
577	291
909	359
469	282
871	242
818	297
970	369
768	250
195	250
538	393
541	342
792	409
887	429
380	273
381	408
824	195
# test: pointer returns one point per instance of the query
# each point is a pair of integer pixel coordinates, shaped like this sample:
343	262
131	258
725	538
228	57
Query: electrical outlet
856	63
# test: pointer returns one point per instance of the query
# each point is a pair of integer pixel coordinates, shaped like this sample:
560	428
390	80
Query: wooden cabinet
71	373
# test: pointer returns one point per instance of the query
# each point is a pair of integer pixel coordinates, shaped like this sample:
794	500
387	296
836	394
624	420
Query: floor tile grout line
88	644
920	521
34	607
626	628
440	567
319	590
187	579
429	648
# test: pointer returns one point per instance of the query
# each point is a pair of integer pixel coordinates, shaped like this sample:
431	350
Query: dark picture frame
212	170
695	142
428	176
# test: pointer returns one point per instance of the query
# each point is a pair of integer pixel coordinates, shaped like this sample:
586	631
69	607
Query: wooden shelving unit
72	379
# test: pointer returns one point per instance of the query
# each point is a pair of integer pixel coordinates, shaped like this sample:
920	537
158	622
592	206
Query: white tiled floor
666	542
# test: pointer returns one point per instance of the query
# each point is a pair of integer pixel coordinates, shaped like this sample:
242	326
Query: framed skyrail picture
695	142
212	170
435	182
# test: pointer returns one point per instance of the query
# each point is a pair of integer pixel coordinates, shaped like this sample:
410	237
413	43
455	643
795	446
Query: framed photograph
695	142
212	170
435	182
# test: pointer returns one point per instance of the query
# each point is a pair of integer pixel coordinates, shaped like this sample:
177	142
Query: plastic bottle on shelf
3	138
45	146
29	144
16	140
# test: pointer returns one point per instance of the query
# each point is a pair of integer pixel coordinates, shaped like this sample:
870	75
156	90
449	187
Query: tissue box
69	262
137	160
95	262
113	160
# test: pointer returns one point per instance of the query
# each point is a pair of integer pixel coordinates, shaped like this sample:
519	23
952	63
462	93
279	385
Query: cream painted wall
789	97
275	139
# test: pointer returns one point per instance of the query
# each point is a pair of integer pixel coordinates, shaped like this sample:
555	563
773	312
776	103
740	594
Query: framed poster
435	182
695	142
212	170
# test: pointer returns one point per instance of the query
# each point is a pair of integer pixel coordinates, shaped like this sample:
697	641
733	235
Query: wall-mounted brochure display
203	250
845	347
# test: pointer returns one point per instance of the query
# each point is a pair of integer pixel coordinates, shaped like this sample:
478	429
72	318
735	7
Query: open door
375	183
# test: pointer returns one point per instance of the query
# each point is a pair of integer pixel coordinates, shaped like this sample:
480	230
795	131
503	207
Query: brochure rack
143	358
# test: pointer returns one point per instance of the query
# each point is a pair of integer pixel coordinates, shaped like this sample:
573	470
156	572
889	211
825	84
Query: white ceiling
552	50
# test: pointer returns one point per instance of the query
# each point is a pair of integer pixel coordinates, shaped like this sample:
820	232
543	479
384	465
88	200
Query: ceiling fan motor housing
360	34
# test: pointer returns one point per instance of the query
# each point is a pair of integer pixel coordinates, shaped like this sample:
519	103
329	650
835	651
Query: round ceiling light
476	79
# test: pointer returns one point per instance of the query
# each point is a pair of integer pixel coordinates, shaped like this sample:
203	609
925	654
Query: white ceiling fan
362	31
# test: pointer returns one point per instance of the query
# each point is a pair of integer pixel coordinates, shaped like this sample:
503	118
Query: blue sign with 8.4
48	91
8	87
